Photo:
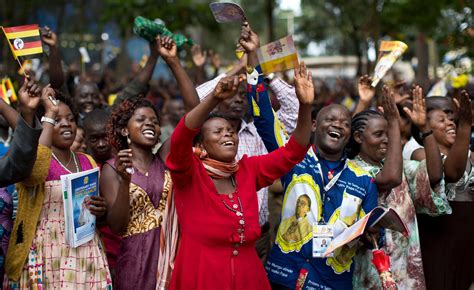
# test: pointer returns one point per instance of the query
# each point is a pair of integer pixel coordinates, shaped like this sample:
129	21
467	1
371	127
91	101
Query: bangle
426	134
48	120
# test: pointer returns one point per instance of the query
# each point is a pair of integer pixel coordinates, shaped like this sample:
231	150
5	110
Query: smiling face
143	127
332	130
443	126
219	139
65	129
373	140
87	97
235	107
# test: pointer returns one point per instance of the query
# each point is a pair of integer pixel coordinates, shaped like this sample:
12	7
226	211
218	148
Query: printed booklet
379	217
77	191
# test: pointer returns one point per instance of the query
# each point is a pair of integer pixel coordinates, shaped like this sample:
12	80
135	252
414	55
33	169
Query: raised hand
123	161
366	91
29	96
215	59
304	85
49	37
166	47
464	110
418	113
199	56
226	87
388	104
50	104
248	39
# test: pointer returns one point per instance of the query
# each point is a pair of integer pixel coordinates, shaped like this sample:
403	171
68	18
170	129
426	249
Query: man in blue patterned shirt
339	194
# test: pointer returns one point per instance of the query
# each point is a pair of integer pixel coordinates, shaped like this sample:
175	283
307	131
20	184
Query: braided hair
120	117
358	124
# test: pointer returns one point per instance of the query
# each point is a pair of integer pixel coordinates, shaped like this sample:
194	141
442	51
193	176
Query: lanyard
331	182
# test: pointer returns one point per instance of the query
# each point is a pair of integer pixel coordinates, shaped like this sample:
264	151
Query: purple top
137	260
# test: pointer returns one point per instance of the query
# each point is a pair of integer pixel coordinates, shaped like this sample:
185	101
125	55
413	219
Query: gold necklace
72	157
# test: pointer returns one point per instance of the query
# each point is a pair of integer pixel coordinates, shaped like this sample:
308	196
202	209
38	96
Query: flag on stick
11	94
278	56
25	41
3	92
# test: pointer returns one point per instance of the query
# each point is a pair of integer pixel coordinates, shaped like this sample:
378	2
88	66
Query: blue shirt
352	196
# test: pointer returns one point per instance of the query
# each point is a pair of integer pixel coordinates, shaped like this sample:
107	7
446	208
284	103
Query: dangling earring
128	140
203	153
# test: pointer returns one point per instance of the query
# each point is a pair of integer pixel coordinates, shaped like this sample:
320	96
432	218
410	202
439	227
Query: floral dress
413	195
51	263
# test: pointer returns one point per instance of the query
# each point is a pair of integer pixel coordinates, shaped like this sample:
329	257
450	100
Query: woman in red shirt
216	198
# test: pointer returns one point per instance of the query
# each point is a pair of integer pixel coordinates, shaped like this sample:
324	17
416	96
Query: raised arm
168	51
206	88
180	158
20	159
56	73
115	188
226	88
366	94
289	105
434	164
139	85
9	113
280	161
391	174
199	60
455	163
268	126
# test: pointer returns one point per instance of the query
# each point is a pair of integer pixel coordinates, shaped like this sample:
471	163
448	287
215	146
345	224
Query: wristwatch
426	134
48	120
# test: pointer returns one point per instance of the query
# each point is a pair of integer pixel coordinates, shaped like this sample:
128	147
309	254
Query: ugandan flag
10	89
25	41
3	92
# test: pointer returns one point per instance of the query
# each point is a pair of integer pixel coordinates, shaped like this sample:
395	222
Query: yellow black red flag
25	41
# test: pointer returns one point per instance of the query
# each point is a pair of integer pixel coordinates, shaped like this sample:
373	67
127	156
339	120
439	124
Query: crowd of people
221	182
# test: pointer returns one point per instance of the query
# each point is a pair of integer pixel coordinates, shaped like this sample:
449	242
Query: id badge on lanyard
322	238
323	234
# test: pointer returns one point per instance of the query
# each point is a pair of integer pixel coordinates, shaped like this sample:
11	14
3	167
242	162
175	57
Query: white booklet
80	223
379	217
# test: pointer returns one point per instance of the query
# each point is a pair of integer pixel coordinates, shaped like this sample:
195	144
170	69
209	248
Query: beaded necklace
237	209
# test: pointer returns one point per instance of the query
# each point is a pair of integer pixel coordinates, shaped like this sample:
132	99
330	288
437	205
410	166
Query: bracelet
48	120
426	134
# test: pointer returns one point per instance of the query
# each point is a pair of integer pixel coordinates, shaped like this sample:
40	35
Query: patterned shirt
352	196
413	195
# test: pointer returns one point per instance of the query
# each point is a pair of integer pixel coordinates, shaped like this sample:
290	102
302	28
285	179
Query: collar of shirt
248	127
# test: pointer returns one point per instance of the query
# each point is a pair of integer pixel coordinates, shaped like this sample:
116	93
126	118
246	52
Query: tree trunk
269	6
421	50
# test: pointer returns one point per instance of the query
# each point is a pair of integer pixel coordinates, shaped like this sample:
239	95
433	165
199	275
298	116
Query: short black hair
198	138
96	116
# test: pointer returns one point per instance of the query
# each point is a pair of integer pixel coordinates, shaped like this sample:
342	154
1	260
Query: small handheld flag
11	94
278	56
3	93
25	41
